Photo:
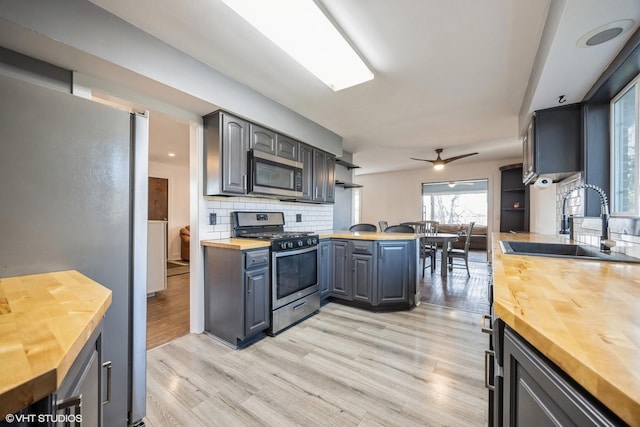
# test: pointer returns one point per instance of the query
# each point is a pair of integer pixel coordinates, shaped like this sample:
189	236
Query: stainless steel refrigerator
73	195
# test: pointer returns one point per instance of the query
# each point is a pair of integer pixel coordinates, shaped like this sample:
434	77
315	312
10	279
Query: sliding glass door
455	202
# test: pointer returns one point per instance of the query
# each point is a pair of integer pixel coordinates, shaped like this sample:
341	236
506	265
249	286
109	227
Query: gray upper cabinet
286	147
324	165
305	156
269	141
318	174
226	141
262	139
552	145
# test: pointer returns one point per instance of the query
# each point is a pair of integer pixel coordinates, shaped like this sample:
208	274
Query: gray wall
91	30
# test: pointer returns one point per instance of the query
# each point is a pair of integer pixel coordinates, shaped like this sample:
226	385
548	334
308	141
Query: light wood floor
341	367
168	312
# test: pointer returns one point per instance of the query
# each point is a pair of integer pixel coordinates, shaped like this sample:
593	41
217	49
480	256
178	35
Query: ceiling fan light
438	166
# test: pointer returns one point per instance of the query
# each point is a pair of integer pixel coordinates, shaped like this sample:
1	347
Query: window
357	204
455	202
625	184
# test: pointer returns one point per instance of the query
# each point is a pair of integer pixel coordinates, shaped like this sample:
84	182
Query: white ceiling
452	74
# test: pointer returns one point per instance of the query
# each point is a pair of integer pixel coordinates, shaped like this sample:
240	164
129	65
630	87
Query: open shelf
347	184
346	164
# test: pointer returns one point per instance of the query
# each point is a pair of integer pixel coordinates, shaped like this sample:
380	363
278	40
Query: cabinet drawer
256	259
362	247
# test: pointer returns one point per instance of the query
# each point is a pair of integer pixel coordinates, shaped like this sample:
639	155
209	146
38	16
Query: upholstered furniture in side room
478	236
185	237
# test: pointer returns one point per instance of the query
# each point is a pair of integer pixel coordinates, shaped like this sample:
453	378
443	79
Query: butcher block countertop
582	315
246	244
45	321
366	235
238	244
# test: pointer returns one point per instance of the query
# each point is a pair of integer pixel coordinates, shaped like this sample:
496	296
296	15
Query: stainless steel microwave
274	176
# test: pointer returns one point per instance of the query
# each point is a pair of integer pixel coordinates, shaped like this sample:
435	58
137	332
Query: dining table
443	240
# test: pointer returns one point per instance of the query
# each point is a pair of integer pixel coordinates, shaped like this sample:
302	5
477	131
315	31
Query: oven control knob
309	242
283	245
290	245
300	243
314	241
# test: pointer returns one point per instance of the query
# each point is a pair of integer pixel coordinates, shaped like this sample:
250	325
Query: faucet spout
605	242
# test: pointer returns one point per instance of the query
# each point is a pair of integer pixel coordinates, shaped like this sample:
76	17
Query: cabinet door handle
244	181
485	329
108	366
488	358
249	287
74	402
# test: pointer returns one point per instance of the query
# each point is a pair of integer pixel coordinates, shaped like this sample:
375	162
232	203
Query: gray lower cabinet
376	273
537	393
393	273
226	141
237	293
324	267
79	399
339	284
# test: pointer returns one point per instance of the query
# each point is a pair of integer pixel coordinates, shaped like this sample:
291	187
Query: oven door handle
295	252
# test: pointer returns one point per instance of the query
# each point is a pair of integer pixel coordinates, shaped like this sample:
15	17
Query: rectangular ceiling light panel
303	31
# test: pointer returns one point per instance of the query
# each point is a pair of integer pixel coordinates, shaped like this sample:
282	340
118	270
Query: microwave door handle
244	181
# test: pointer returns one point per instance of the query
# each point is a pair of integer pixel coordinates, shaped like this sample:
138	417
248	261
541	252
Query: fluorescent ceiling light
303	31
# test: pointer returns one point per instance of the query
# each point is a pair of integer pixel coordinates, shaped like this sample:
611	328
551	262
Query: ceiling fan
439	163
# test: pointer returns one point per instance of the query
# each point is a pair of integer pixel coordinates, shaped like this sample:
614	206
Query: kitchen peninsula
580	315
50	328
375	271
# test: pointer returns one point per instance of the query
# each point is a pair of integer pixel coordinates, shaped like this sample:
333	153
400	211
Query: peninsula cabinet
324	267
394	259
236	293
373	274
537	393
226	141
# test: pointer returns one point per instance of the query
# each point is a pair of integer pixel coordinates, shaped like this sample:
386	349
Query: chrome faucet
605	243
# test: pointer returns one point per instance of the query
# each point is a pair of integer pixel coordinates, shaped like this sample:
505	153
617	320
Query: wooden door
158	199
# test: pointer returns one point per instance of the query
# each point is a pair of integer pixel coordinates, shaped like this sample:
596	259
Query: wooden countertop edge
247	244
42	385
613	397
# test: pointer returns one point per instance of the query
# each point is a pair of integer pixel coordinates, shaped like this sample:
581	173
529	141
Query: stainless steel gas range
294	266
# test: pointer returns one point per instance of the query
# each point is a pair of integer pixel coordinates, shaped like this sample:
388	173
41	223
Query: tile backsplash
314	217
587	230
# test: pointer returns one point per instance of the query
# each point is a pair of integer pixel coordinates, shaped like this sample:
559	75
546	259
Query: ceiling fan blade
422	160
451	159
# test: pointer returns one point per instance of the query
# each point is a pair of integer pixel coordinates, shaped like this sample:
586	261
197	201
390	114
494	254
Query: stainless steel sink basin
561	250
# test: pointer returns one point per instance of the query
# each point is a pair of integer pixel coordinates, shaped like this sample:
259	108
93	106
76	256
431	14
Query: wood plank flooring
458	290
341	367
168	312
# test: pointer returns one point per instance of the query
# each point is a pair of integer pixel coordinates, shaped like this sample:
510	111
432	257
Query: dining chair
427	249
383	225
399	229
461	253
363	227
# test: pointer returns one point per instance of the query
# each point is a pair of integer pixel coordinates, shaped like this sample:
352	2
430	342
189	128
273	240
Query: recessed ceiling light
305	33
605	33
172	154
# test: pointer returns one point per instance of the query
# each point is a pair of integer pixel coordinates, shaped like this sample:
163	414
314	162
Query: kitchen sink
561	250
